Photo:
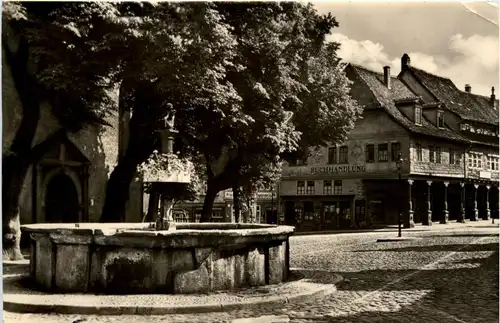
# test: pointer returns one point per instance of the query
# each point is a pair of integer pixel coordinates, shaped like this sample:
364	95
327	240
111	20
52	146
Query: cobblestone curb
37	302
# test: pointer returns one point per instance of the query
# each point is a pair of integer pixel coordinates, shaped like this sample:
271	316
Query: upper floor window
452	156
418	148
337	187
343	155
493	163
310	188
432	154
475	160
327	187
370	153
301	187
383	153
440	119
458	158
418	115
438	155
332	155
395	150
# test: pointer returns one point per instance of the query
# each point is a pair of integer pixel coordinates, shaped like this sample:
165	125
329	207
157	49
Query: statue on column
169	117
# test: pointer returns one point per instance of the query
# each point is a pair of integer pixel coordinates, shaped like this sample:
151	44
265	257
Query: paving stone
447	276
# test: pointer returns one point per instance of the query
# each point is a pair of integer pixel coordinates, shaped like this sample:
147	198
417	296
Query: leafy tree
55	53
293	90
176	54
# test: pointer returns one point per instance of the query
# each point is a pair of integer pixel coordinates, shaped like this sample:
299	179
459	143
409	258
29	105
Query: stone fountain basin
127	258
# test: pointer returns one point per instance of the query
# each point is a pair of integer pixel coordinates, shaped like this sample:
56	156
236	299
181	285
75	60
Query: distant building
448	139
223	210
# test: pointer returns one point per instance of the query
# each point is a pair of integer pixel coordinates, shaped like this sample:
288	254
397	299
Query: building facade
448	141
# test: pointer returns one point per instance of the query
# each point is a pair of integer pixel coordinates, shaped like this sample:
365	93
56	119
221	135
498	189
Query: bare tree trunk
208	203
16	163
14	172
141	143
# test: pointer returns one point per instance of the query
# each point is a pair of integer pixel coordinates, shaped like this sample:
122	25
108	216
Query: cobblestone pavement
447	276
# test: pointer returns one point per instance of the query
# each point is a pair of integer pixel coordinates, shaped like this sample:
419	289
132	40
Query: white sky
455	40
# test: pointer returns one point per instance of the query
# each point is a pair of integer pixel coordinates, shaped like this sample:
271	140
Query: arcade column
427	220
475	212
446	214
410	223
487	214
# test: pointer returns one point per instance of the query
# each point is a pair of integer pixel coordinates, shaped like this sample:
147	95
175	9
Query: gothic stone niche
60	186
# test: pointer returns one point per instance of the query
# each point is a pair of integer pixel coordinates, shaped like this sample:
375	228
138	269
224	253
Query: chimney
467	88
387	77
405	62
492	97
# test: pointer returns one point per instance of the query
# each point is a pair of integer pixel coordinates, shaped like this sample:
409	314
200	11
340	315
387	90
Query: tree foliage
55	53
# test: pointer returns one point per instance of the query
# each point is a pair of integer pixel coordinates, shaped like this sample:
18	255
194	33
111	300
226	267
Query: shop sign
338	169
485	175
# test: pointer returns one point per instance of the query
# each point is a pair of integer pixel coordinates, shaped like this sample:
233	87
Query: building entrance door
61	200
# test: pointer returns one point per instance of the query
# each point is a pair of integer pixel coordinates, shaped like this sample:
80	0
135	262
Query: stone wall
206	257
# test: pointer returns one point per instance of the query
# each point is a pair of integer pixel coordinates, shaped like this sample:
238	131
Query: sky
451	39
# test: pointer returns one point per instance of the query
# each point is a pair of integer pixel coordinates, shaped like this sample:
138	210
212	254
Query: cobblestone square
445	276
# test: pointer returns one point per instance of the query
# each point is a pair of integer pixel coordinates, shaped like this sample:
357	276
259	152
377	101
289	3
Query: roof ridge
431	74
475	94
371	70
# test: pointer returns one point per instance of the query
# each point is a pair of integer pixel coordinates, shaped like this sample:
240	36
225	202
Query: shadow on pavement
444	247
450	294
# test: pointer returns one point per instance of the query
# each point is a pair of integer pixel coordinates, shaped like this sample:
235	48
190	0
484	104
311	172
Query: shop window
343	155
418	115
298	214
370	153
257	213
308	211
301	187
337	187
395	150
438	155
310	188
327	187
332	155
383	153
440	119
418	148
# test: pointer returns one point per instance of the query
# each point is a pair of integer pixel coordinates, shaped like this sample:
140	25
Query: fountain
158	257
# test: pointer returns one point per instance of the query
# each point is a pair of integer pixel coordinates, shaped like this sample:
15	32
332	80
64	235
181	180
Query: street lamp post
399	161
272	204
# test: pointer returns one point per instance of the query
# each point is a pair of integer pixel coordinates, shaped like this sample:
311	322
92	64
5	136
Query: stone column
446	214
488	211
427	220
475	212
461	215
410	223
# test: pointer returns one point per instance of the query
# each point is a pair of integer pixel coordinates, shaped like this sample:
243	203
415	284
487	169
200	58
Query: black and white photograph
250	161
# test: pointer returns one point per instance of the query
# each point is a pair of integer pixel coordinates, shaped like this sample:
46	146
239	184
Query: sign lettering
338	169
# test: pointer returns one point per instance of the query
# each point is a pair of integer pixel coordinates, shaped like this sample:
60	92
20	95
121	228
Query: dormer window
440	119
418	115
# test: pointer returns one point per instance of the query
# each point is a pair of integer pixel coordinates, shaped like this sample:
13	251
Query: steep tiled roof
399	91
467	105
